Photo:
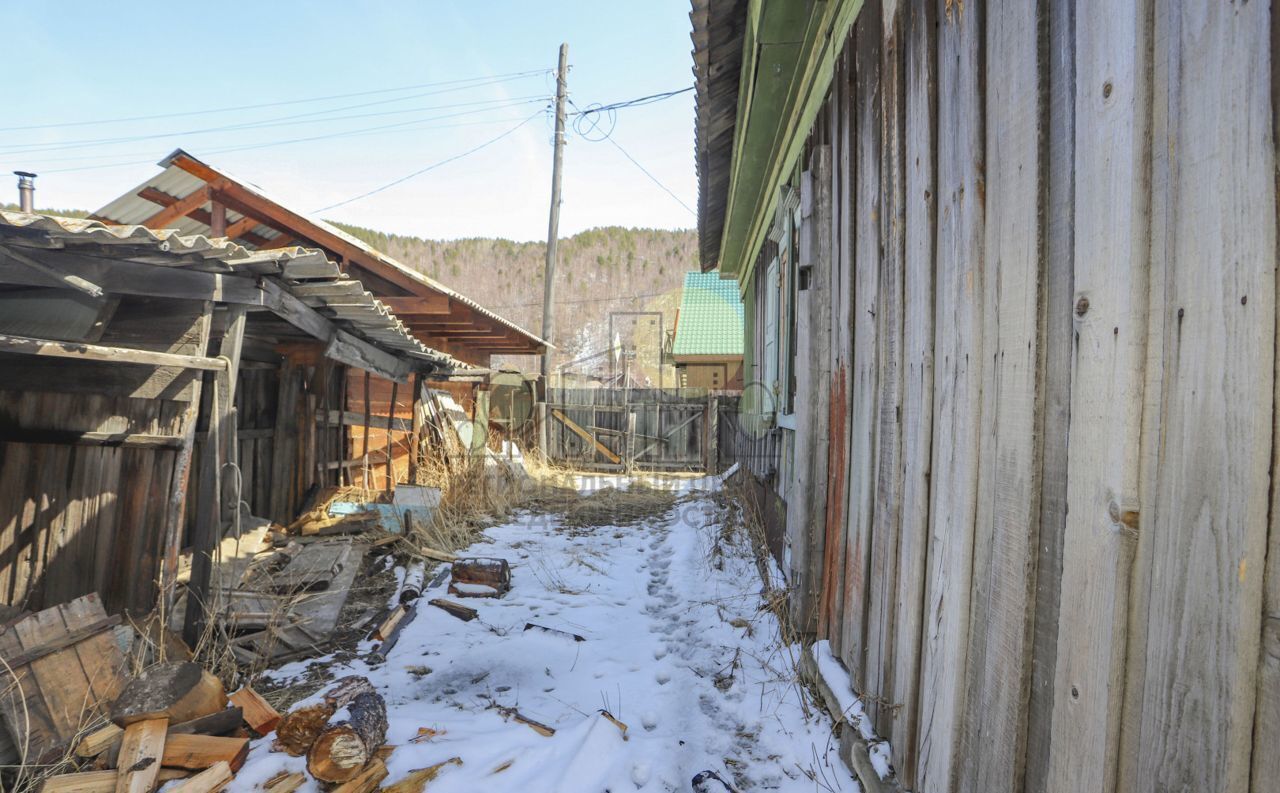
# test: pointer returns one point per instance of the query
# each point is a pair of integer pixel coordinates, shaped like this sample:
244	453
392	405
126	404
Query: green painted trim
758	172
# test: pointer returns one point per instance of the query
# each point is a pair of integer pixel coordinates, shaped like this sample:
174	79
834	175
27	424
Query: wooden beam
348	418
97	352
179	208
433	304
75	438
244	224
69	279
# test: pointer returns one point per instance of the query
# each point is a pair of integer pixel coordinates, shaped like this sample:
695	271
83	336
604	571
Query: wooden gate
609	429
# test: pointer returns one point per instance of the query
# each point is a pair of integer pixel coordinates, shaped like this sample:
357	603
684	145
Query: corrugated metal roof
173	180
711	317
305	273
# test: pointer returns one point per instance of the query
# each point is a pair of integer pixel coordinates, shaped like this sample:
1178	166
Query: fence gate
608	429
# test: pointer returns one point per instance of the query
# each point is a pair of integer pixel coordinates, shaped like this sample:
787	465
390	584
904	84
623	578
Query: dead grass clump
608	506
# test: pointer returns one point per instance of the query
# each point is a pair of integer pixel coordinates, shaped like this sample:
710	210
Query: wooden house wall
1035	499
76	517
380	439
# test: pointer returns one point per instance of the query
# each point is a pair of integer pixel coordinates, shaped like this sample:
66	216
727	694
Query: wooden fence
635	428
1032	500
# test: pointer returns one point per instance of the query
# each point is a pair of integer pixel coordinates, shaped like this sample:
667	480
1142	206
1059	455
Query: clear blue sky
90	61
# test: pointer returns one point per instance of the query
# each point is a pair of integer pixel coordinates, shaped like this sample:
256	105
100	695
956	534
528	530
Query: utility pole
553	225
553	234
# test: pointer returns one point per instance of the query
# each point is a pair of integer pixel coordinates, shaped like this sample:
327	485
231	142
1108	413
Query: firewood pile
172	721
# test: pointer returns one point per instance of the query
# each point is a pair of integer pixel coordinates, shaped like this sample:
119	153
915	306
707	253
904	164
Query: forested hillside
599	271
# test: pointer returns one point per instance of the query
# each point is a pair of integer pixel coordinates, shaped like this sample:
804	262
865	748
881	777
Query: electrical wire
431	167
310	117
590	134
401	126
180	114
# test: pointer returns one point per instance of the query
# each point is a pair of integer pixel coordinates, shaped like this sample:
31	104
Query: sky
408	85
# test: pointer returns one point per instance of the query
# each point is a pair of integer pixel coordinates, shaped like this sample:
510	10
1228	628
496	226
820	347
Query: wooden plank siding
1042	318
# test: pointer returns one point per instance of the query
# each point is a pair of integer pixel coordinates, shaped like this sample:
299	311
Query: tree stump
178	692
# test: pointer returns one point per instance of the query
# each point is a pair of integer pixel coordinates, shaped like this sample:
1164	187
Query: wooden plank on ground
1107	359
958	352
1191	687
921	105
141	749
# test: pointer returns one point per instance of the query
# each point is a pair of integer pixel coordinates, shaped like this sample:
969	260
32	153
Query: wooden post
364	444
218	219
177	508
553	225
712	447
629	457
391	419
232	343
342	453
415	440
209	516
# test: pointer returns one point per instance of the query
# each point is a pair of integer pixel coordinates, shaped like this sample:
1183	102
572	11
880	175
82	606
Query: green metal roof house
707	345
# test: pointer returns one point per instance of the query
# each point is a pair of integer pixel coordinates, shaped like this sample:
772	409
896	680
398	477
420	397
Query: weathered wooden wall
1041	314
77	516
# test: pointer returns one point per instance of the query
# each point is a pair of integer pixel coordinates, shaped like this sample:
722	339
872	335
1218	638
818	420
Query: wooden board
1206	454
141	748
917	388
1108	355
63	691
1005	547
888	318
958	352
863	367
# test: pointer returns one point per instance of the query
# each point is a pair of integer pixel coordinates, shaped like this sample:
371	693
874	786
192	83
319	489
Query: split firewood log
344	747
178	692
299	728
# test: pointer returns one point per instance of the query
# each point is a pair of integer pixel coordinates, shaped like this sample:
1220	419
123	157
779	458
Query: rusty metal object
480	577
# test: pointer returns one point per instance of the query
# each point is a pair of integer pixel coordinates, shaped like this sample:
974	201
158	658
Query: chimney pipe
26	190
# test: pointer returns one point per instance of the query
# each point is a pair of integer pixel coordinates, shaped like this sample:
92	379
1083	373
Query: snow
837	679
676	647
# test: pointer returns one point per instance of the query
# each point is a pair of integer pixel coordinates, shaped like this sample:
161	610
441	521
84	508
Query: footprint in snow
663	677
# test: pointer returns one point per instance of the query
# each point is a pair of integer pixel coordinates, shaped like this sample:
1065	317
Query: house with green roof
706	346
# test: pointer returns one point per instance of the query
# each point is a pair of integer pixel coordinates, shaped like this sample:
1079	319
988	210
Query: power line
399	126
311	117
637	102
431	167
652	178
282	103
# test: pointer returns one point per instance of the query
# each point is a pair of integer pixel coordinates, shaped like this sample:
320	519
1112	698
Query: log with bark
345	746
299	729
178	692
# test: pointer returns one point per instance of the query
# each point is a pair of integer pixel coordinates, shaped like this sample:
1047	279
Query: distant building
706	346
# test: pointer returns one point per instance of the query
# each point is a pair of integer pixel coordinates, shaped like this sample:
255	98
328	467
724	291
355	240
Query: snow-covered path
675	646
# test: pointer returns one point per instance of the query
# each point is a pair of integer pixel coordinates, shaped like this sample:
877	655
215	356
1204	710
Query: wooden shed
151	381
195	196
1010	282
